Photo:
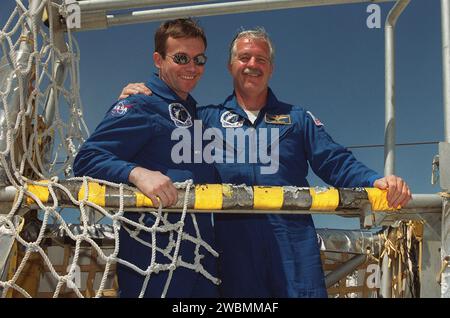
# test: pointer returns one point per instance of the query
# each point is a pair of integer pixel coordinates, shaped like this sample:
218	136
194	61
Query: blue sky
327	60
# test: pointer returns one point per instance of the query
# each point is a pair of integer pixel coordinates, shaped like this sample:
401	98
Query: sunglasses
183	59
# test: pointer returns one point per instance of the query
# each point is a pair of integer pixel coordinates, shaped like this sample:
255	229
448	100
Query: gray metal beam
358	242
444	155
109	5
386	278
445	250
389	137
344	270
298	197
445	26
97	20
6	243
58	66
431	256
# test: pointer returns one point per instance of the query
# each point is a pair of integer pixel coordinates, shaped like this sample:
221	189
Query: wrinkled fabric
276	255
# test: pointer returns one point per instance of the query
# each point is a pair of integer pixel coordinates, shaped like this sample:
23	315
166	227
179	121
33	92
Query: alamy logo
72	14
374	19
373	276
229	145
74	276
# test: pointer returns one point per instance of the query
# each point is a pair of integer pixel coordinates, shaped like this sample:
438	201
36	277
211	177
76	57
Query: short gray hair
256	33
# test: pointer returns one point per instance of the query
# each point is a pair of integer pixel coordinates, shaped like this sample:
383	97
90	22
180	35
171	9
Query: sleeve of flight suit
108	152
332	162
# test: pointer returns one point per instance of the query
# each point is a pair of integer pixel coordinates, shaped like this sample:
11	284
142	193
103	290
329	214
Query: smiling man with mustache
276	255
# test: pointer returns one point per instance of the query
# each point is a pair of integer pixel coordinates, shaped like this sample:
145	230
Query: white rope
33	149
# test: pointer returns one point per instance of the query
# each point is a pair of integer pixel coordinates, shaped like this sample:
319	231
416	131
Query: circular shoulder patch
230	119
315	120
121	108
180	115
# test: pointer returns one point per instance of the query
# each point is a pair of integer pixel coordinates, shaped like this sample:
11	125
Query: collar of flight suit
161	89
231	103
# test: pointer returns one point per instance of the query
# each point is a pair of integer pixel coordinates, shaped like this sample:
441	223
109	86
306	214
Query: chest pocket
254	145
281	135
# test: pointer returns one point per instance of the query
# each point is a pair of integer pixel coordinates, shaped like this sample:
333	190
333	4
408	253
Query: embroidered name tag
277	119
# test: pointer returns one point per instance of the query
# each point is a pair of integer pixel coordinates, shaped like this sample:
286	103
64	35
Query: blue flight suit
135	132
276	255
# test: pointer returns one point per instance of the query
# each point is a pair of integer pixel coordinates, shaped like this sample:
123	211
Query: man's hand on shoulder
135	88
154	184
398	191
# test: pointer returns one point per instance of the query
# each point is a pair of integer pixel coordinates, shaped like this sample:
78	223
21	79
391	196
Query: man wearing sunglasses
132	145
276	255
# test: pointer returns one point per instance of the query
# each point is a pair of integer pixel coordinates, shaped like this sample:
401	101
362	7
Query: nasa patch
121	108
230	119
316	120
179	115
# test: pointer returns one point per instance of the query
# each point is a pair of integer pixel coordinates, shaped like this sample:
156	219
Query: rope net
41	129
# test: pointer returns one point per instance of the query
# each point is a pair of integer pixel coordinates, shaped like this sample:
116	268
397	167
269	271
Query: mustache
252	71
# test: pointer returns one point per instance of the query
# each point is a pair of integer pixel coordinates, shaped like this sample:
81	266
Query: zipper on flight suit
254	125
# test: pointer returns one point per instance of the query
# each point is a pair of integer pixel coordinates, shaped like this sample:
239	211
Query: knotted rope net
41	129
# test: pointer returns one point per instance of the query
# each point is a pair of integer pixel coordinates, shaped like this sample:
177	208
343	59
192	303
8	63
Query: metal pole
389	137
431	255
96	20
445	250
59	67
7	240
95	5
386	278
294	199
424	201
445	20
344	270
218	9
444	155
357	242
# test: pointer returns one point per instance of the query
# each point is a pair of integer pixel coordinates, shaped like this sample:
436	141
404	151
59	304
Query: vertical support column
389	137
431	256
444	154
445	250
58	65
445	26
386	278
389	87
